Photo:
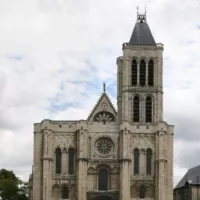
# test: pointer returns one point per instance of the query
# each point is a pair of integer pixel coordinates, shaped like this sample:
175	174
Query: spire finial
145	10
104	87
141	17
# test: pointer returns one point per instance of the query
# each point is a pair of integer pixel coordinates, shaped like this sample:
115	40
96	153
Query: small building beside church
114	154
189	186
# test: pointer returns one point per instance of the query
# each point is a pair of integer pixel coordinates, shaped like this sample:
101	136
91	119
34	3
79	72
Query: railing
160	45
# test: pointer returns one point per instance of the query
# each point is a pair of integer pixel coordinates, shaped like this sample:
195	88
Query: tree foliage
11	187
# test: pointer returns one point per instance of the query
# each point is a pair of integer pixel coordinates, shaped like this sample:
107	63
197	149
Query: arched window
136	109
142	72
65	192
148	109
136	161
148	161
134	73
142	192
103	179
58	160
71	160
150	73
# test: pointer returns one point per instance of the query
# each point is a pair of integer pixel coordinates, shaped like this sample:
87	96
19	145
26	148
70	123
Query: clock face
104	117
104	145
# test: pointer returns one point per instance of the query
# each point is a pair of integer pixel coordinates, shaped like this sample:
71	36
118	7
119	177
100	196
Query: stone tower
123	154
140	115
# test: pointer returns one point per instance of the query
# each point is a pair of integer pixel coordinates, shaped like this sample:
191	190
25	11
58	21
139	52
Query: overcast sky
55	55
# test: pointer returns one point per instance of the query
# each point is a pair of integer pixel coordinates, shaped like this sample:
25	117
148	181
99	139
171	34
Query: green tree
11	187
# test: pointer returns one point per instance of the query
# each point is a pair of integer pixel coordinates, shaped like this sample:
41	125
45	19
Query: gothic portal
123	154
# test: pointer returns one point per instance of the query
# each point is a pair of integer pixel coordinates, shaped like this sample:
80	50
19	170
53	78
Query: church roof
141	33
192	176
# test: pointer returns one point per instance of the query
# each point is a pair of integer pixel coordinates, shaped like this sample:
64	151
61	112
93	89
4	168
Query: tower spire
141	34
104	87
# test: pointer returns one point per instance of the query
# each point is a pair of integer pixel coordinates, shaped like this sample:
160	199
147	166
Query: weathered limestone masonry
123	154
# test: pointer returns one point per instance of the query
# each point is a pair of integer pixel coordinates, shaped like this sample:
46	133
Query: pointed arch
71	161
58	160
150	192
103	179
134	73
134	192
142	192
148	161
136	109
149	109
136	161
65	192
55	192
150	72
142	72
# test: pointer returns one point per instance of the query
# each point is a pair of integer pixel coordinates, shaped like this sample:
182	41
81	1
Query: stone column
125	86
138	74
161	168
46	158
147	70
142	162
125	180
82	179
82	159
119	87
125	162
37	164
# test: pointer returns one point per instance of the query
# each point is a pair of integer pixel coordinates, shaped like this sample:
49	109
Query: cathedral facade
123	154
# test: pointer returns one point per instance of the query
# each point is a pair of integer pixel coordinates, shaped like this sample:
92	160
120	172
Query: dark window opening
71	161
58	161
134	73
136	109
142	73
103	179
136	161
148	161
148	109
150	73
65	193
142	192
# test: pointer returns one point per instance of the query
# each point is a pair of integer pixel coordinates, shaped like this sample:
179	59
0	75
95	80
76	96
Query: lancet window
142	192
136	109
103	179
150	73
58	160
148	109
71	161
142	73
148	161
65	192
134	73
136	161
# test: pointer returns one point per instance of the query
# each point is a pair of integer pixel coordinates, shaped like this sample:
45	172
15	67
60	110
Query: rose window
104	145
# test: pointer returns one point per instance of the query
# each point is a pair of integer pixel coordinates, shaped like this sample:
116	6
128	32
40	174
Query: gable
103	111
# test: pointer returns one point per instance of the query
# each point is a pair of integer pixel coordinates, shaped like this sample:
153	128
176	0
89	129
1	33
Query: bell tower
146	141
140	85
